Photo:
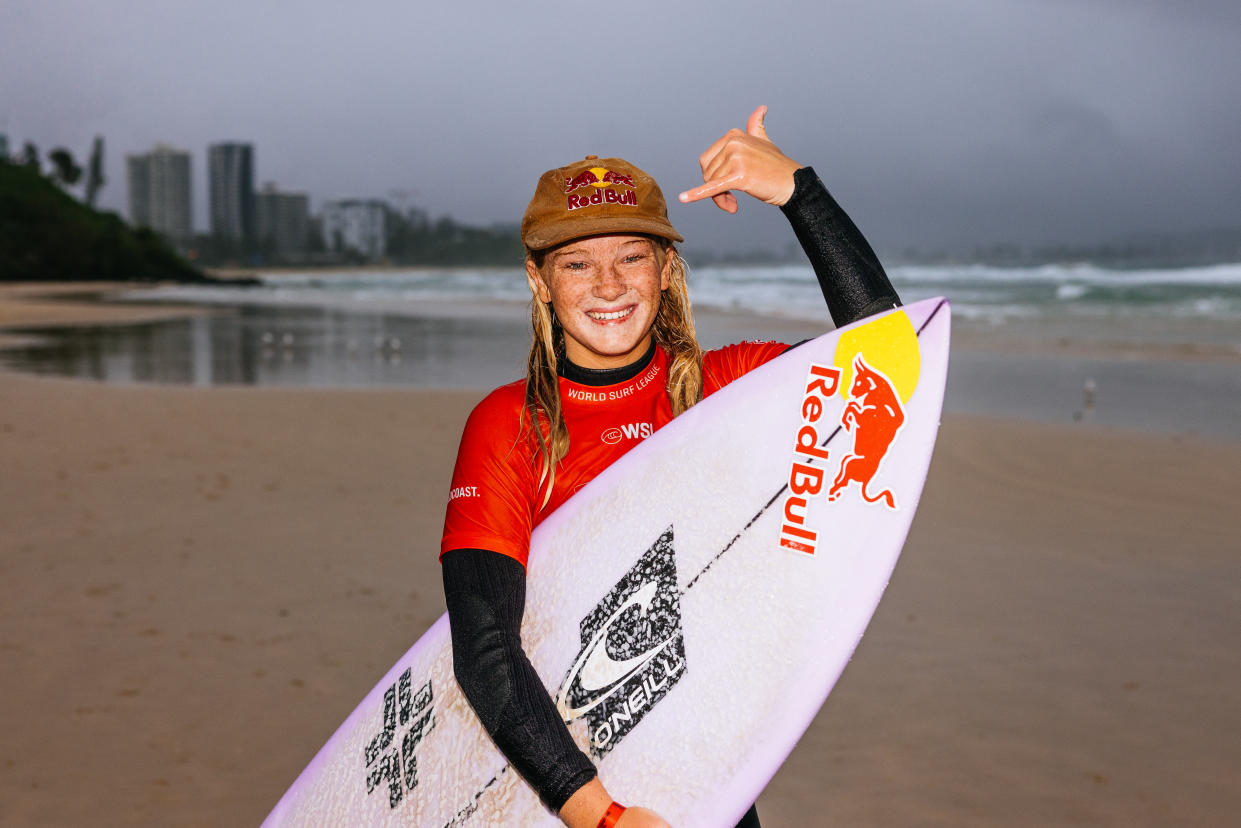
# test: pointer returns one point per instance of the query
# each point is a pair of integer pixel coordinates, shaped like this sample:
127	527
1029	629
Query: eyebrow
579	251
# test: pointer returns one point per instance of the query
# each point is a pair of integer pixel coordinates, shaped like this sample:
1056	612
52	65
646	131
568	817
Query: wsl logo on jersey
634	431
633	651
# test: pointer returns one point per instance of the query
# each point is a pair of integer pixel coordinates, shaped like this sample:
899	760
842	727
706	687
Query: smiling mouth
610	316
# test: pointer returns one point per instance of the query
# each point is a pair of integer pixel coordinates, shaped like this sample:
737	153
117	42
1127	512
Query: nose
610	286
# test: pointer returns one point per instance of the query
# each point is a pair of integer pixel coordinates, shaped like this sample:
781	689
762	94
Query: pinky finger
726	201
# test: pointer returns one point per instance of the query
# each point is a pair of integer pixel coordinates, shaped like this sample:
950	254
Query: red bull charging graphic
875	416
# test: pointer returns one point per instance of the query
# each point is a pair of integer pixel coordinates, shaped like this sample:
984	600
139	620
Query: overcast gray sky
934	122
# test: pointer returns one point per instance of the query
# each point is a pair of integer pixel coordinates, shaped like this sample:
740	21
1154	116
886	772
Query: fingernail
683	197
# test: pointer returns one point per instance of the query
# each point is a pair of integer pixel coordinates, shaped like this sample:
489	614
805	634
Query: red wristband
611	815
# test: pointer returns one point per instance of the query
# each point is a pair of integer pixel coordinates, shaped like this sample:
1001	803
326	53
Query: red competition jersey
495	500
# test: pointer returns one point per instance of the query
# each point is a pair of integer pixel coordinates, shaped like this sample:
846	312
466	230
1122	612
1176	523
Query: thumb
755	126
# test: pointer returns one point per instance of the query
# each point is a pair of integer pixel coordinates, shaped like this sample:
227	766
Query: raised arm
853	281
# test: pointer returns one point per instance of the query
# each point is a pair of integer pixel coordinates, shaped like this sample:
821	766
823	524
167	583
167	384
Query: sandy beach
198	584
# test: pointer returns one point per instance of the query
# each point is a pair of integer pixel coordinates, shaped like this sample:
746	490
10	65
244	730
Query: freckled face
605	291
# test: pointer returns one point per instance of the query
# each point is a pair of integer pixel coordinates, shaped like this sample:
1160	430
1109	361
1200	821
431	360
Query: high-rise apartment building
138	180
230	172
356	225
159	192
283	221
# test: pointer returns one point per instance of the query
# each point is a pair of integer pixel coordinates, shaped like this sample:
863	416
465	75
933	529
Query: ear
537	286
665	273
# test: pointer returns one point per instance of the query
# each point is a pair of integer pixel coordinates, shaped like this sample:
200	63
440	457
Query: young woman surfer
613	344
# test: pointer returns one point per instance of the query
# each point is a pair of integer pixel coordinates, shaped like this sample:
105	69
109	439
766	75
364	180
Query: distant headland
46	234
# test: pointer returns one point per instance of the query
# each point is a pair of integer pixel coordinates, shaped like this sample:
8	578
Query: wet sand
198	584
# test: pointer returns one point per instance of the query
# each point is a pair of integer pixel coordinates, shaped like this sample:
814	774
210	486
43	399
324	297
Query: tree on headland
65	171
94	172
30	157
47	234
415	238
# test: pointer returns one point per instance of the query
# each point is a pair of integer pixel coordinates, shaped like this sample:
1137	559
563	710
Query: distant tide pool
279	346
329	347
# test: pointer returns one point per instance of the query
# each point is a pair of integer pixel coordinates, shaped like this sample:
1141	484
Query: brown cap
593	196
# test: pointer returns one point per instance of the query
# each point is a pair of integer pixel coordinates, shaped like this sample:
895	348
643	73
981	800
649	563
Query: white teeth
620	314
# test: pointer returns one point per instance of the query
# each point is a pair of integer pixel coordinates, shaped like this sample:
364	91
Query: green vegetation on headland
46	234
413	239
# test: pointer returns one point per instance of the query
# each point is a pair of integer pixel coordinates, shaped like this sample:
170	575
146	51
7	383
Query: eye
573	265
635	257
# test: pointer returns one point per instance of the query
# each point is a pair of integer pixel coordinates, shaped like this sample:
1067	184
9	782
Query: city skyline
1027	121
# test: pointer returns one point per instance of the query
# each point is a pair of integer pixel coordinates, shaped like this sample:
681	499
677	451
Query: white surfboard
689	610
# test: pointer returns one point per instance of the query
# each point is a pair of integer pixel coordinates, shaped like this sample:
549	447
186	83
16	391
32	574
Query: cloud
942	122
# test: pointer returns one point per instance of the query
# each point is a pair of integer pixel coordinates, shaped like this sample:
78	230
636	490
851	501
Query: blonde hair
673	330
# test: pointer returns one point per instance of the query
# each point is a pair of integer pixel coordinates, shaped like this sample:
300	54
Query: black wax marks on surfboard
471	809
413	714
633	650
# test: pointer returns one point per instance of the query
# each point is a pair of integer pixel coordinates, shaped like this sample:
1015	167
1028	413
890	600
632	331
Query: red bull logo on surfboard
875	371
874	415
805	475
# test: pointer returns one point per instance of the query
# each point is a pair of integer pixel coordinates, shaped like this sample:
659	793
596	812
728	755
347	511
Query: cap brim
550	236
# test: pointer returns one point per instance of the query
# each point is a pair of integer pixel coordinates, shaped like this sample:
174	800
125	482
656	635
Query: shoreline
1016	371
26	305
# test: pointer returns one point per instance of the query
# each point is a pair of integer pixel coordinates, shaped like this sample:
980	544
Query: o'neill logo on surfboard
633	651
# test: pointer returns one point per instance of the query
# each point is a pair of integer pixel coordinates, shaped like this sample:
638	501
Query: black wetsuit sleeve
849	273
486	596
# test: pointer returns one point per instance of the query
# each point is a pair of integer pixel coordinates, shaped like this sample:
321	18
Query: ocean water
1162	348
987	295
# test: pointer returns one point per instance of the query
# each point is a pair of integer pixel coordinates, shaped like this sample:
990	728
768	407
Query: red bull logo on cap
601	181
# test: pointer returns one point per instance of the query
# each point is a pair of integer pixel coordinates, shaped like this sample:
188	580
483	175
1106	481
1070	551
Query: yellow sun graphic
888	344
600	172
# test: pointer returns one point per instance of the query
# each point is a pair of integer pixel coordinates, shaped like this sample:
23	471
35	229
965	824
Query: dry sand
197	585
